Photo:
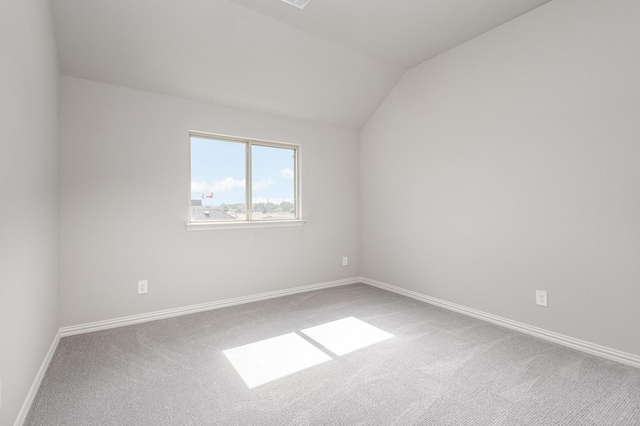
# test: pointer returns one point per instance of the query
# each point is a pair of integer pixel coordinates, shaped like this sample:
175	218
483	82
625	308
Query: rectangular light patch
271	359
300	4
346	335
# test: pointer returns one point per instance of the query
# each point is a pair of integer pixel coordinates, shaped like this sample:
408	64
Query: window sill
218	226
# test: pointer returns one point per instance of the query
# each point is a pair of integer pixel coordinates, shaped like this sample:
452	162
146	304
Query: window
221	166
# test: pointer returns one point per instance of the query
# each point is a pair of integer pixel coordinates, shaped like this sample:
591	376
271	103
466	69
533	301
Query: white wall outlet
541	298
143	287
345	260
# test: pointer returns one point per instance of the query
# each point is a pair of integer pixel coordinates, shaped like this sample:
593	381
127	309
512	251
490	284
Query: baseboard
22	415
581	345
169	313
591	348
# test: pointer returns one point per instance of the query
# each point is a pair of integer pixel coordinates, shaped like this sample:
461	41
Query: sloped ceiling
332	62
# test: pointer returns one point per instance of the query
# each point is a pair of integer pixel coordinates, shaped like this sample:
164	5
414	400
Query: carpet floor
270	363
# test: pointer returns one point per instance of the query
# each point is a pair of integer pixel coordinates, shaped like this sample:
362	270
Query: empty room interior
320	212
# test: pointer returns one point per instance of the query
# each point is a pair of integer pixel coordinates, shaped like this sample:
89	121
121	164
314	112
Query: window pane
273	183
218	177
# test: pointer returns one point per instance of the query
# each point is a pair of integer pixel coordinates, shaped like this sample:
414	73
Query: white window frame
248	223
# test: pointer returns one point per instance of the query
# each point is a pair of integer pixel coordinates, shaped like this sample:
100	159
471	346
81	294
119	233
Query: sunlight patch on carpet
346	335
271	359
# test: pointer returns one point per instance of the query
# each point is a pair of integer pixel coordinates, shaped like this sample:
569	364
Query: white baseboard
591	348
581	345
22	415
169	313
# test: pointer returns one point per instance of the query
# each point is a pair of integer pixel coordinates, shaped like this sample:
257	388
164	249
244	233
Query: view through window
221	168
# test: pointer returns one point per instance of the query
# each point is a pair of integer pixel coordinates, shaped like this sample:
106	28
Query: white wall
124	190
28	197
512	163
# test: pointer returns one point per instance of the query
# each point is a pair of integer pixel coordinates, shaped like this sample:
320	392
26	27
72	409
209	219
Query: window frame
248	222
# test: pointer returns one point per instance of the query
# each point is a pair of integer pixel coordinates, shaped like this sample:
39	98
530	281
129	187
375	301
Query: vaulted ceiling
333	62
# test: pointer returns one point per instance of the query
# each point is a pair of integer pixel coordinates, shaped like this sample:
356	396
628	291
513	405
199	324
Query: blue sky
218	167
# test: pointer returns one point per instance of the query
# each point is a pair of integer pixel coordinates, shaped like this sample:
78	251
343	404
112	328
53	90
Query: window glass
218	180
273	183
220	168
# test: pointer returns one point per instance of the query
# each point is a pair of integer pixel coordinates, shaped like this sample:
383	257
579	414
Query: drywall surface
224	53
28	193
510	164
124	195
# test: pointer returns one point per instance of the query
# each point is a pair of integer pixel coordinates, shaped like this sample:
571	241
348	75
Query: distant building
200	212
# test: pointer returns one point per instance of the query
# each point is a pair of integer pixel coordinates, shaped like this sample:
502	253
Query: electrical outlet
345	261
541	298
143	287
